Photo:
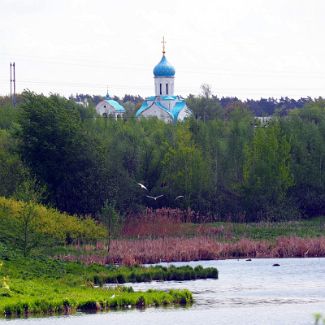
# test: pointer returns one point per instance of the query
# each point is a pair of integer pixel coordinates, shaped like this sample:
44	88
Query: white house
109	107
164	105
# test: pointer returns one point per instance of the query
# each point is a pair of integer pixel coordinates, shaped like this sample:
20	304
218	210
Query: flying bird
154	197
142	186
179	197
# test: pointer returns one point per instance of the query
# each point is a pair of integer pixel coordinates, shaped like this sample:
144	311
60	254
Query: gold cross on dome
164	43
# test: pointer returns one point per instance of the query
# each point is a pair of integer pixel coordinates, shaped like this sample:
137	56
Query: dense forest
224	163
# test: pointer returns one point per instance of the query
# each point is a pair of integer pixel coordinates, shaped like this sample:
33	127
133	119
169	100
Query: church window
166	89
160	89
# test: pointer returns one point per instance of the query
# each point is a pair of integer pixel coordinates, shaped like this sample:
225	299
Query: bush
42	225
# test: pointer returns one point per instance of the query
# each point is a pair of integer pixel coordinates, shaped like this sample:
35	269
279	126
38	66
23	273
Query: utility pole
13	83
11	80
14	65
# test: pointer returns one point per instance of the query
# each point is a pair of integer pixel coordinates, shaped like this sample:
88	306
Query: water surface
249	293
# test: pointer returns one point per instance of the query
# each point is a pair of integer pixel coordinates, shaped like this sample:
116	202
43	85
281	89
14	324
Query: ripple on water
241	302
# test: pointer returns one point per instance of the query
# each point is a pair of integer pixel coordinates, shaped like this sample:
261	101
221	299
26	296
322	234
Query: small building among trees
109	107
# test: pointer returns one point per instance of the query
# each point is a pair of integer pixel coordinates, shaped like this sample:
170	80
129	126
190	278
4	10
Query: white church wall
105	108
163	82
183	114
155	111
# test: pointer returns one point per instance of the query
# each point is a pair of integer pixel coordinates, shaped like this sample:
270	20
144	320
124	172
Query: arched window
160	89
166	89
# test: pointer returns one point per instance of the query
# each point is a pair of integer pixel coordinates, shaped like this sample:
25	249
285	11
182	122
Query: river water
247	292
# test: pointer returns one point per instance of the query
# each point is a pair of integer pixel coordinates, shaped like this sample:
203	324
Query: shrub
42	225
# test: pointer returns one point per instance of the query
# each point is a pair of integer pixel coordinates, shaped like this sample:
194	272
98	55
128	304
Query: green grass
40	285
73	272
311	228
27	297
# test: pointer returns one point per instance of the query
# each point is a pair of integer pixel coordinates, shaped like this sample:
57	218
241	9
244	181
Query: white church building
109	107
164	105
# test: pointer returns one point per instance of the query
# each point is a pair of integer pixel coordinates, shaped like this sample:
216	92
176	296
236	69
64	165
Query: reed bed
167	222
142	251
157	223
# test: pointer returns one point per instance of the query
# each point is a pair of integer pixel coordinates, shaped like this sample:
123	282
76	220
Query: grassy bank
311	228
27	297
71	272
44	286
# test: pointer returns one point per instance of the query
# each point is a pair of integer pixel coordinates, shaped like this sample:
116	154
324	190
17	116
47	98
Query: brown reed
141	251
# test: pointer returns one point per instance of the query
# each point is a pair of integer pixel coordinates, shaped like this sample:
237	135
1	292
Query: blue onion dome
164	69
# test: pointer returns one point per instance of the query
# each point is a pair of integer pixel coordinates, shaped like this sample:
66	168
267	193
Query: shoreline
43	286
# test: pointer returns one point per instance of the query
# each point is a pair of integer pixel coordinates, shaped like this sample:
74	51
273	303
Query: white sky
243	48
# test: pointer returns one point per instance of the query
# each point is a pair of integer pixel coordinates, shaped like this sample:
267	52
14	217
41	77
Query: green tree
113	222
60	153
12	170
306	130
22	232
267	174
206	106
184	170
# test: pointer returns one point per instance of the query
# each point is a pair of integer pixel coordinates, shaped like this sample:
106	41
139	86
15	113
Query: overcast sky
248	49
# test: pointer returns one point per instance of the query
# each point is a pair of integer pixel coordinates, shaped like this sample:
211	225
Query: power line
205	70
146	86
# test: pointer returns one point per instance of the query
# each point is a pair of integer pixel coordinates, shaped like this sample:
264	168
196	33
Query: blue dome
164	69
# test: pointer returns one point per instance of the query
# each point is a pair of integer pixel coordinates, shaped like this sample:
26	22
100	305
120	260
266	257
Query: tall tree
267	174
59	152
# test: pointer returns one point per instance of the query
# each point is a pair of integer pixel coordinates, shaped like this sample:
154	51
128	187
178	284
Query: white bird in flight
142	186
179	197
154	197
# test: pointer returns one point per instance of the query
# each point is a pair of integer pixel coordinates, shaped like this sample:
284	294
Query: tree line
201	105
224	165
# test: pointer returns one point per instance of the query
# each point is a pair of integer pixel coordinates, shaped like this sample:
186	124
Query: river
247	292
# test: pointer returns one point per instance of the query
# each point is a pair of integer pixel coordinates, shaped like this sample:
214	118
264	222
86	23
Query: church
109	107
164	105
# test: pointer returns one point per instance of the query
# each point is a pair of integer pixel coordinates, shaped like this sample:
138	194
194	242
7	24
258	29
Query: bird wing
150	197
142	186
179	197
157	197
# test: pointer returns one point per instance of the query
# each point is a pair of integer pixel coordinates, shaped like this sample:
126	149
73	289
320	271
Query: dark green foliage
306	131
267	174
12	170
223	163
60	154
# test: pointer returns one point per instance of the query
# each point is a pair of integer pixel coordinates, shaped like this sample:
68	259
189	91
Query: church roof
173	113
118	107
164	68
163	97
177	108
145	105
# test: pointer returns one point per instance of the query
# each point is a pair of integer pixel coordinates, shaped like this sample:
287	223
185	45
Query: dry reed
140	251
